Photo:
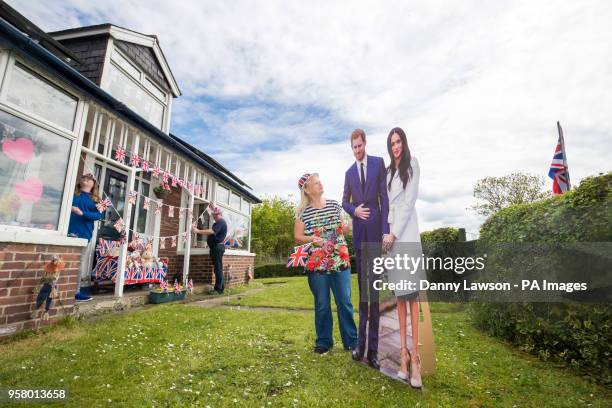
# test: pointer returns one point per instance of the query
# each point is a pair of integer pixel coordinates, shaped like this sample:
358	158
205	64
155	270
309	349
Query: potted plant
162	191
164	293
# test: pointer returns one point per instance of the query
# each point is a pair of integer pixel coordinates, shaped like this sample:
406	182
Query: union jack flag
174	181
165	177
147	202
156	171
146	165
171	211
299	255
103	205
120	153
177	288
137	274
190	285
163	285
135	160
132	198
173	245
119	225
162	243
158	207
558	168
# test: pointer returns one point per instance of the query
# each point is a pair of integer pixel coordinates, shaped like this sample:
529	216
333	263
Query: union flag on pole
559	172
299	255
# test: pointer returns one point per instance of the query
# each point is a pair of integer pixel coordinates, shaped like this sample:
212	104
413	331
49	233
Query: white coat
404	225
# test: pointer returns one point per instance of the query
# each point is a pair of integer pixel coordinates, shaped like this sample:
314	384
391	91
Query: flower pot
160	297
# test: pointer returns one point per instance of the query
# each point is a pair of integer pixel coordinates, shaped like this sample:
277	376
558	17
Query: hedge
573	334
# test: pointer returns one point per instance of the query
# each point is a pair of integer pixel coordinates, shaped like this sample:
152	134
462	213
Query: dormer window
131	86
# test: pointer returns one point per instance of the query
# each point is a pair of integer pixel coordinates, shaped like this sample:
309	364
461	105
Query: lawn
291	293
184	355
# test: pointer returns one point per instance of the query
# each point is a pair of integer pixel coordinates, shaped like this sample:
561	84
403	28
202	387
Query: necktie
362	177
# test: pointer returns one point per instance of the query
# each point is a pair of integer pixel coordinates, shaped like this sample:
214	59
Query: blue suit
367	238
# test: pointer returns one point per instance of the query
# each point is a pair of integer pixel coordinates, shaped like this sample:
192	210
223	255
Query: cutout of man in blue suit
365	200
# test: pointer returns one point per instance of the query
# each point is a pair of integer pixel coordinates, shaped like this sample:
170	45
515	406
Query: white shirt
365	167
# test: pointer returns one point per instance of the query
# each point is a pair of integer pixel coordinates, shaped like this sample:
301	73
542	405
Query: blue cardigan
82	225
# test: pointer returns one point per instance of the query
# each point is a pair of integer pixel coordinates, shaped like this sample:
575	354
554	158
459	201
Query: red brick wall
200	270
21	267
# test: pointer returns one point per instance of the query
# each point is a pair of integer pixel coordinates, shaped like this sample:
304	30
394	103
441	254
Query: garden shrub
574	334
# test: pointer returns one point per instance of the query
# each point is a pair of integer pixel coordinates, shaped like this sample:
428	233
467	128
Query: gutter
48	60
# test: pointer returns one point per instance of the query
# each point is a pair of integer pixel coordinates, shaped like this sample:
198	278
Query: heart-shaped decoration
30	190
20	150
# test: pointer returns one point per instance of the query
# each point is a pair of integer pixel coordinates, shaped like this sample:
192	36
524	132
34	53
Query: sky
273	89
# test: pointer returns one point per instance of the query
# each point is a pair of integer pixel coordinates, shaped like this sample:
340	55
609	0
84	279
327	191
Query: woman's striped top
326	223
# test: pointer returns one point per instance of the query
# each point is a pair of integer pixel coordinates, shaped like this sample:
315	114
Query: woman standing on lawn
319	221
403	186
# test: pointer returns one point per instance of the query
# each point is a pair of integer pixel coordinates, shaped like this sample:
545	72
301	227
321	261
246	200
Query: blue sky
273	89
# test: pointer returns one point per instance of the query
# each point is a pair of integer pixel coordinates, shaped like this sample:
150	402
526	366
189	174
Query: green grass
291	293
183	355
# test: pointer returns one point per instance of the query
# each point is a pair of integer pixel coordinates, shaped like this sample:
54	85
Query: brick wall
21	267
235	267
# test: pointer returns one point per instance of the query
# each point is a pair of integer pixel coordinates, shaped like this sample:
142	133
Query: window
126	65
124	88
246	207
36	95
128	84
237	230
235	201
154	89
33	166
204	222
222	194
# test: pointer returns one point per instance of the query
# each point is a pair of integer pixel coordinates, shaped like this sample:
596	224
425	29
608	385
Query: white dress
404	225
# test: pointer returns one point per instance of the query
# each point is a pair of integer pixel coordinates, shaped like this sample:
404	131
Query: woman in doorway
319	221
83	214
403	188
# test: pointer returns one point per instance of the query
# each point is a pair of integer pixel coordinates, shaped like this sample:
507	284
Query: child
84	213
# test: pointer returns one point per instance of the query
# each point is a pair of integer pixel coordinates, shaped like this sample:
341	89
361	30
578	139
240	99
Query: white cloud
478	86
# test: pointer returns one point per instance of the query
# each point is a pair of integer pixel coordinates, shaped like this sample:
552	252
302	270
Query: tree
501	192
272	228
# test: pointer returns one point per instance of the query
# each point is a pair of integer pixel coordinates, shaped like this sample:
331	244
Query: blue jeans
340	284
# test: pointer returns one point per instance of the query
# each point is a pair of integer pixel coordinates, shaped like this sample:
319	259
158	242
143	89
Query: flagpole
569	186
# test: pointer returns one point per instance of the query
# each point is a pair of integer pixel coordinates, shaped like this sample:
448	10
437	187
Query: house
99	99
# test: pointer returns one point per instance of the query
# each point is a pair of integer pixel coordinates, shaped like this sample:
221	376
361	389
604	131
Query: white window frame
14	233
104	166
205	251
141	82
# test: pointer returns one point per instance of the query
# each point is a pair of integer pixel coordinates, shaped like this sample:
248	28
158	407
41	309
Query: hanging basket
161	193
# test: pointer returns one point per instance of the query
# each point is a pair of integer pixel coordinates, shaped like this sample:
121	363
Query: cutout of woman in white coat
403	188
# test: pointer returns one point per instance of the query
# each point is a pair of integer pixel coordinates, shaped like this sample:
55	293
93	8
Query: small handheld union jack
163	285
177	288
103	205
299	256
190	286
120	153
